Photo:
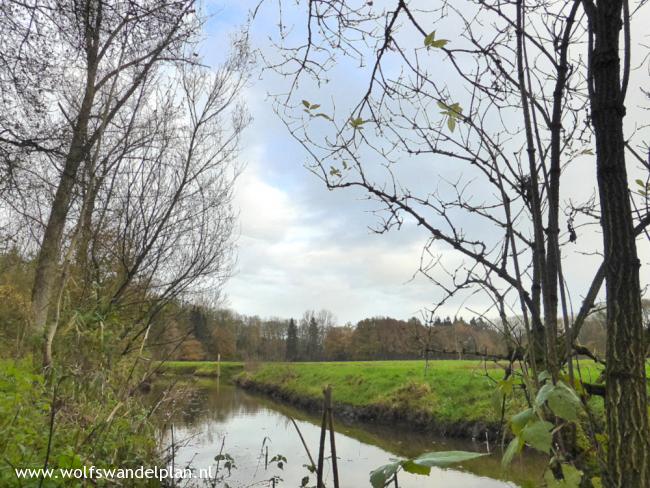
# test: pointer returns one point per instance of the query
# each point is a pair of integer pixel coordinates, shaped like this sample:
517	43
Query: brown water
247	424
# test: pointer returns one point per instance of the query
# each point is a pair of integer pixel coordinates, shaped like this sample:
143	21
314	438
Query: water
211	416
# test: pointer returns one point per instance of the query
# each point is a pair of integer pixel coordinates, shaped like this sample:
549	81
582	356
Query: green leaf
411	467
306	103
430	41
453	113
538	435
325	116
544	376
572	477
497	399
315	106
640	183
380	476
304	481
446	458
335	171
564	402
543	394
519	421
515	447
356	123
455	108
506	385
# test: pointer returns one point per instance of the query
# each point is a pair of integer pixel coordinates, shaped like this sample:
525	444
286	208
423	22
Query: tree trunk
50	251
626	395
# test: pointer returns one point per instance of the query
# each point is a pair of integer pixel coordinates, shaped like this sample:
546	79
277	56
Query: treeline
195	333
185	331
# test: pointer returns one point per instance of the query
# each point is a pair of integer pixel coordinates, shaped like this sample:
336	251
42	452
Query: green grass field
451	391
203	368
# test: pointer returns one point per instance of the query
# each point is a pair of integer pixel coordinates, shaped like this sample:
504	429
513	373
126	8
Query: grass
451	391
203	368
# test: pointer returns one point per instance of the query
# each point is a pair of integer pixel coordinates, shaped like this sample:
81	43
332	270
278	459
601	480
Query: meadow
450	391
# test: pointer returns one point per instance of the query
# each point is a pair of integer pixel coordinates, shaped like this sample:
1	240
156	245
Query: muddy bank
383	414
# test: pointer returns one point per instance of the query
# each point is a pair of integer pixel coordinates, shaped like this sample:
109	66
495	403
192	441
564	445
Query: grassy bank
454	397
450	392
211	369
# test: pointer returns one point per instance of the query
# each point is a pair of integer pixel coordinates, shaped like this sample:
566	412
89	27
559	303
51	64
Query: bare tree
510	114
139	206
100	53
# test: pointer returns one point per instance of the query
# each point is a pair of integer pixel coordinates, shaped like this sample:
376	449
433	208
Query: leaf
325	116
572	477
543	394
564	402
497	399
453	113
335	171
315	106
515	447
380	476
420	465
519	421
411	467
306	104
544	376
506	386
640	183
456	109
538	435
431	41
304	481
357	123
446	458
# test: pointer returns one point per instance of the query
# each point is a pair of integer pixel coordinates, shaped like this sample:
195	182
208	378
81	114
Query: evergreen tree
292	341
313	340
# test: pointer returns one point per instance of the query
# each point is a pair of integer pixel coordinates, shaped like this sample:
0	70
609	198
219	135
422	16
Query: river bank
453	398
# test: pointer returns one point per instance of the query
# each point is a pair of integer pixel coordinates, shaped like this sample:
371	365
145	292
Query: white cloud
266	212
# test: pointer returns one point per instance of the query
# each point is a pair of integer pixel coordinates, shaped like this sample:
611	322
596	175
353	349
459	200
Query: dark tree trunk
50	252
626	396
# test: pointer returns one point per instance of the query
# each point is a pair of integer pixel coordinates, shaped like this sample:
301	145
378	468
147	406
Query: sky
302	247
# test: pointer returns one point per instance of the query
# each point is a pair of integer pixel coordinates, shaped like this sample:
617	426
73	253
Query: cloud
304	247
266	212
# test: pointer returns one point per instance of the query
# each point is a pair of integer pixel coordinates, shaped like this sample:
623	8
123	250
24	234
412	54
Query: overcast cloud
302	247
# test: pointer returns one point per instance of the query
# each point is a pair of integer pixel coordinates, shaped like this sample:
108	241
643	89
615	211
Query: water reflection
248	424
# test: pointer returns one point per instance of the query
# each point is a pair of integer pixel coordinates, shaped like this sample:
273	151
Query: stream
211	415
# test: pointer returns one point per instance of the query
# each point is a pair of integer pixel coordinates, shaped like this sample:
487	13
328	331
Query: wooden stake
321	446
335	469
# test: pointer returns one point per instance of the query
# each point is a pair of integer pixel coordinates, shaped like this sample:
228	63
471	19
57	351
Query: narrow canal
250	426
